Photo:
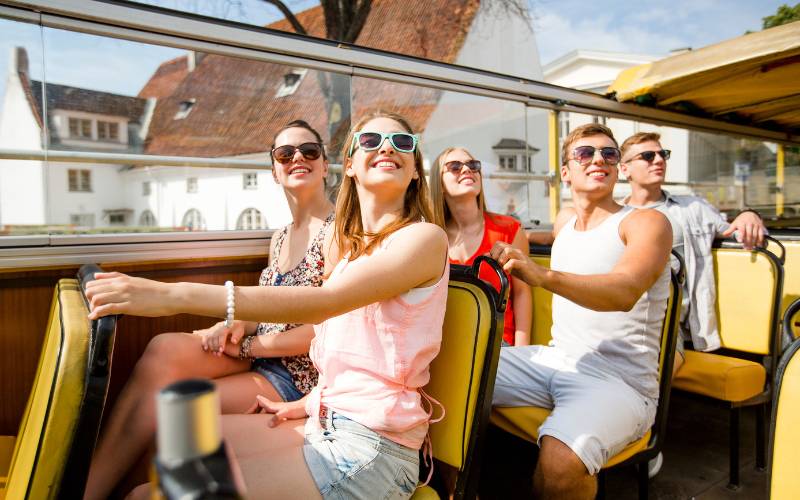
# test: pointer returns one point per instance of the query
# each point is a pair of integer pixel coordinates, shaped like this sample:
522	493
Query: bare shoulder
564	215
645	221
425	233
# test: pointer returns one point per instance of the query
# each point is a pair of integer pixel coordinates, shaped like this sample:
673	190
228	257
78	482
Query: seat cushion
720	377
524	422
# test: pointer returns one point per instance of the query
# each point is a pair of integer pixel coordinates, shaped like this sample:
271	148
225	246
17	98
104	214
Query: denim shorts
276	373
351	461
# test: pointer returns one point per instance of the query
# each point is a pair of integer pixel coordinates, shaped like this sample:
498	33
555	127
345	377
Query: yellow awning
753	79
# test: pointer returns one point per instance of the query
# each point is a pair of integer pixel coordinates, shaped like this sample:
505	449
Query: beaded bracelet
245	348
230	303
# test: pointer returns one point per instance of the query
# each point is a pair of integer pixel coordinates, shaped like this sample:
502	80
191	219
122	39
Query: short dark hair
299	124
639	138
587	130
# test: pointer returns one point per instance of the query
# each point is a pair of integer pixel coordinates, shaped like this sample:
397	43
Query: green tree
784	15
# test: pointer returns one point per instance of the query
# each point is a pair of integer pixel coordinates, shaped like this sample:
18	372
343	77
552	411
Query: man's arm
749	229
648	239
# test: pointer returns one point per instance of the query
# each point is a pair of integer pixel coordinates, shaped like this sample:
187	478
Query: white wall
21	182
220	196
106	193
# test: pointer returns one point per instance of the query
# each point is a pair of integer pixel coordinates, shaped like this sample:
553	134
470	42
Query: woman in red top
459	207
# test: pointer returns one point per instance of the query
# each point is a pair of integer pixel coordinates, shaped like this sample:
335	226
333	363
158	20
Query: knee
560	467
161	357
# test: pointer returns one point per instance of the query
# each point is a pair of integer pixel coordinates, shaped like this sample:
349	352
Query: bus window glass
22	211
140	137
495	36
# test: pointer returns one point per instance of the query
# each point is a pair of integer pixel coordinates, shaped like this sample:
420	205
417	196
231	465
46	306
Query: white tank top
624	344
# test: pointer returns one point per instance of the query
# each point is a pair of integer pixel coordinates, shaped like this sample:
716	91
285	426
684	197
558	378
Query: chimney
193	59
19	60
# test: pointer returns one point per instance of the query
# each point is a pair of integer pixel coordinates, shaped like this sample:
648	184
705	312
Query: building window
184	108
147	219
508	162
191	185
291	81
116	219
250	219
146	188
107	131
80	128
250	180
193	220
79	180
82	220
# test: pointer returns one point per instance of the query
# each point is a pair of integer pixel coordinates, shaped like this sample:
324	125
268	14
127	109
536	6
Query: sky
653	27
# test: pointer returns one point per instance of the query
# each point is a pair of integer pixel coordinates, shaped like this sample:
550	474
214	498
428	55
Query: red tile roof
166	78
235	110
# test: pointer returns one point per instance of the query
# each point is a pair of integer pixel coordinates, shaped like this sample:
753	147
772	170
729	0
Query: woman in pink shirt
378	326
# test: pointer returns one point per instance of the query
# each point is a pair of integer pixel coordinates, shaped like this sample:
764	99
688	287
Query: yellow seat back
791	275
59	428
42	444
542	306
785	431
748	285
462	375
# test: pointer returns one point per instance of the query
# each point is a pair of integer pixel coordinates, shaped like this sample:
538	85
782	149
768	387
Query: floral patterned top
307	273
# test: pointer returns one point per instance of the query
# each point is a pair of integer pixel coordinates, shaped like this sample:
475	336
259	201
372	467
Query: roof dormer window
291	81
184	108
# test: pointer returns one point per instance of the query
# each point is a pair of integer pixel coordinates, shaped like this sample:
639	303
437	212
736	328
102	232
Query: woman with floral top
248	359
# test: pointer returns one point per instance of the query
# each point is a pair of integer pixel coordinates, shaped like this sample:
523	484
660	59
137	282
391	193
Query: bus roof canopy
753	79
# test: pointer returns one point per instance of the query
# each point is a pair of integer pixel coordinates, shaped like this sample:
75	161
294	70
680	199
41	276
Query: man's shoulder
645	221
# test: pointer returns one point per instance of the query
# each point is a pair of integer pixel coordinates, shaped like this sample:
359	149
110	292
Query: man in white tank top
610	279
695	224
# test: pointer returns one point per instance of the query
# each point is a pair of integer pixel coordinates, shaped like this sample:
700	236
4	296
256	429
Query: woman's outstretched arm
415	258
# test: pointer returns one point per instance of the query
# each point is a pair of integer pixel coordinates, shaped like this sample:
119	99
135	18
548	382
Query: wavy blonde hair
349	233
441	213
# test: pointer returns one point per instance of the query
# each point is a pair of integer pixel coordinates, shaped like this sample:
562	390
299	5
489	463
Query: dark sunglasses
585	154
649	156
310	151
454	166
370	141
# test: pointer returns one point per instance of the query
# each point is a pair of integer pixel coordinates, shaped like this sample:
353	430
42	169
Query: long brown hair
350	235
441	212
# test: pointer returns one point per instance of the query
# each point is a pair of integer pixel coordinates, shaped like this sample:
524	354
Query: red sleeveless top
496	228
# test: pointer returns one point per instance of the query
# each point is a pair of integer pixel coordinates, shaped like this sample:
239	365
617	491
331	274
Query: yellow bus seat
786	244
542	301
52	450
721	377
524	422
462	375
749	288
784	442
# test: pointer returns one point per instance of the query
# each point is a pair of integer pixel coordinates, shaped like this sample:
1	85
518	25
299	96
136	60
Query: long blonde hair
441	212
350	235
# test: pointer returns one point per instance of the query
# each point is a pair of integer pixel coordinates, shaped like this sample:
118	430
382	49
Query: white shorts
595	414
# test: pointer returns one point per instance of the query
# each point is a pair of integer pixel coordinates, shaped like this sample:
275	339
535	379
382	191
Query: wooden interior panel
25	303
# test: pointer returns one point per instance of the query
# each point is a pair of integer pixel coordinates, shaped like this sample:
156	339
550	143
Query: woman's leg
270	458
131	425
238	392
